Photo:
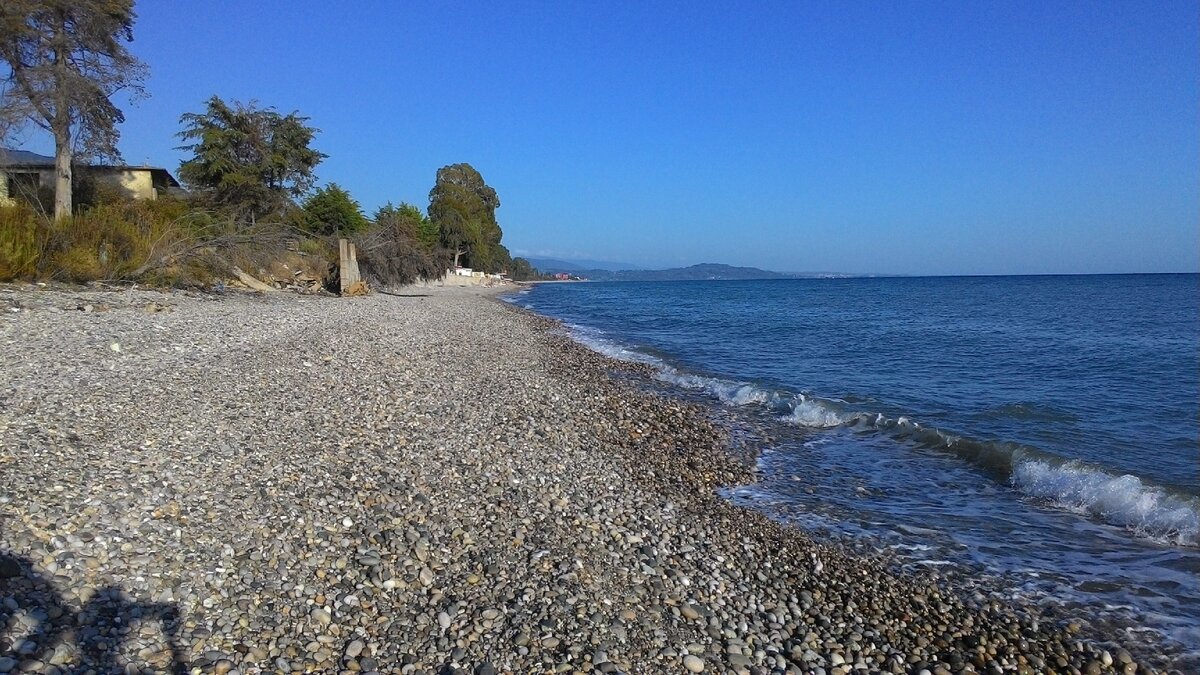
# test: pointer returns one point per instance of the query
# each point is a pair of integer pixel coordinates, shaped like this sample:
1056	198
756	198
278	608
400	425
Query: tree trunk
62	177
457	252
61	125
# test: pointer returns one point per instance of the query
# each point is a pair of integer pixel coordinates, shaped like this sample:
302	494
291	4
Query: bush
19	242
104	242
386	257
165	241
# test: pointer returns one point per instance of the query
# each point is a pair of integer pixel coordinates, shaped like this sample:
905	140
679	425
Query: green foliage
331	210
463	208
411	221
521	270
249	160
397	250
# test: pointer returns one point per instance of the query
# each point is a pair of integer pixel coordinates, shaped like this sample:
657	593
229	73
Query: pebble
452	485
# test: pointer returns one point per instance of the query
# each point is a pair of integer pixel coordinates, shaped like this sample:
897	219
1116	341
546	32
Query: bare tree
65	60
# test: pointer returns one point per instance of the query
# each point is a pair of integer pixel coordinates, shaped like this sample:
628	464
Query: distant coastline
723	272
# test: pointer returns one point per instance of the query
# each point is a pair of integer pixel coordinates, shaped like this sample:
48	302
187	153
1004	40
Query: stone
693	664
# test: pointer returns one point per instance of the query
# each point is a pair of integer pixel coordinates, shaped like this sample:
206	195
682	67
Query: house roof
32	160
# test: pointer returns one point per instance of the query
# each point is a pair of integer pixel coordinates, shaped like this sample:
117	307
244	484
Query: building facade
23	174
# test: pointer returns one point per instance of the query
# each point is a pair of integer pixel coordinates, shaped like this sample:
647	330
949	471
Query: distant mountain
703	271
554	266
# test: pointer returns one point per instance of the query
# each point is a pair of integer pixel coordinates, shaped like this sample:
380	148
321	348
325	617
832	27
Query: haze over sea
1040	433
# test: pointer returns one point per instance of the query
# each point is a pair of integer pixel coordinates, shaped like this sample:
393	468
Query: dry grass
166	241
19	242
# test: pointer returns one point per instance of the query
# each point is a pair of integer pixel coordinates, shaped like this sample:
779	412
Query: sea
1036	435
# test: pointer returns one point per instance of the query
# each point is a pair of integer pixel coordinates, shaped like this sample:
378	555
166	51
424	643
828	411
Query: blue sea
1037	434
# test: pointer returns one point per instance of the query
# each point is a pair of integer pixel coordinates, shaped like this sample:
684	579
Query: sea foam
1122	500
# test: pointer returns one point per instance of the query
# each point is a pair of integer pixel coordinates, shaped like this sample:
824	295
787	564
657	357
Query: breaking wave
1123	500
1147	509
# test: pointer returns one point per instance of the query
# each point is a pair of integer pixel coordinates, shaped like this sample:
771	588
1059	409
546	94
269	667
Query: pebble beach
427	482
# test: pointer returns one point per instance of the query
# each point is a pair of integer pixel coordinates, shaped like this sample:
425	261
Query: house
22	173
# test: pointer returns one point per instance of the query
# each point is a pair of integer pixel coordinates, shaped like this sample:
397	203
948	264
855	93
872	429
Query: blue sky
888	137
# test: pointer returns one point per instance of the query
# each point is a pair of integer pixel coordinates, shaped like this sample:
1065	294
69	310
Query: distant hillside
554	266
703	271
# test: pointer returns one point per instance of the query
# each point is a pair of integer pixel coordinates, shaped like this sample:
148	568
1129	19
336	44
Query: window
23	184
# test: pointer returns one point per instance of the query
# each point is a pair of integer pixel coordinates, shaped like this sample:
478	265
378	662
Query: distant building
23	173
562	276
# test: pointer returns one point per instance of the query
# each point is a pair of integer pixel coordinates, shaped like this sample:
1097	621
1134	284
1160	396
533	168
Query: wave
1123	500
595	341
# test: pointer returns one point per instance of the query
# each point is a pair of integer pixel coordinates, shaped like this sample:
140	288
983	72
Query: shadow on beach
37	624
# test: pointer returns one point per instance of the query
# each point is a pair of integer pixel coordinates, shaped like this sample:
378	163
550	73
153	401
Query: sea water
1038	432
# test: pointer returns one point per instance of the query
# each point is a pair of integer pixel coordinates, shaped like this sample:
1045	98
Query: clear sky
889	137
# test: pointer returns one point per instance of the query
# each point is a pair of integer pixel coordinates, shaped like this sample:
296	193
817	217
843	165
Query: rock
354	649
693	664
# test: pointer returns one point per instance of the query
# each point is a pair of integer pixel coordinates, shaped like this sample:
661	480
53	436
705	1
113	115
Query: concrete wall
138	183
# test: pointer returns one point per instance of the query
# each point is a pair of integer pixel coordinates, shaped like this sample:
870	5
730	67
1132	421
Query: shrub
386	257
19	242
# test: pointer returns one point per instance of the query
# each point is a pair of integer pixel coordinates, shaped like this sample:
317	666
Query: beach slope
425	483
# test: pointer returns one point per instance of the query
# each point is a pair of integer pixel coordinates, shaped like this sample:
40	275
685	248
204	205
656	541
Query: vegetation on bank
252	195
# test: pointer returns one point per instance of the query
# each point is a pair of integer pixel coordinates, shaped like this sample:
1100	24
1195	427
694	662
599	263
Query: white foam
595	341
728	392
811	413
1120	500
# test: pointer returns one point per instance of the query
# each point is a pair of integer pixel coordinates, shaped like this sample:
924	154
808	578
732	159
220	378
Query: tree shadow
37	624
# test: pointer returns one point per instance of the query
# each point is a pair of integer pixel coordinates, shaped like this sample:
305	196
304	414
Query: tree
463	208
416	224
331	210
391	253
65	60
522	270
248	159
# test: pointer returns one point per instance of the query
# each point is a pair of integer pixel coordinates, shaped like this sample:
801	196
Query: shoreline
414	483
